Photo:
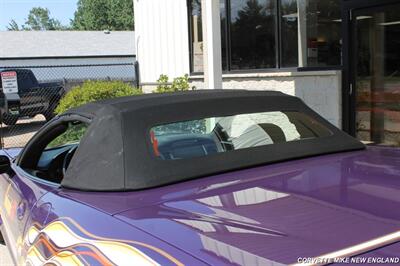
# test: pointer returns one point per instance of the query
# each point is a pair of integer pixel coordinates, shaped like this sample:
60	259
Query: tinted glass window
289	31
323	32
309	30
377	87
213	135
253	34
224	35
196	36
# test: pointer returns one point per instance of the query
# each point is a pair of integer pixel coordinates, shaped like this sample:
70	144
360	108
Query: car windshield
196	138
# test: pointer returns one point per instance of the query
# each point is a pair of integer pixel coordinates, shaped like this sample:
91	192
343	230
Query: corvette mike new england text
348	260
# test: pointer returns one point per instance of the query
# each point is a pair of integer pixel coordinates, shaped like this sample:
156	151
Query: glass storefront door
377	82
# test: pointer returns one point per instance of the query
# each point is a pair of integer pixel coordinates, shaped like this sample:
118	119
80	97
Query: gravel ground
5	259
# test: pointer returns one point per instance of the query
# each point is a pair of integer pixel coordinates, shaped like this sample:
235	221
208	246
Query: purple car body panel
19	195
98	234
266	215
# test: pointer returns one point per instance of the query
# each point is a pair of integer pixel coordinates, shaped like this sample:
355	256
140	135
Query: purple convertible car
199	178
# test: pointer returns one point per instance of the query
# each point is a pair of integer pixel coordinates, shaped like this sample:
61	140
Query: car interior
185	146
50	155
178	141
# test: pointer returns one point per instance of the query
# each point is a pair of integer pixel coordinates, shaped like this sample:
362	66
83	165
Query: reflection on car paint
64	242
249	214
9	205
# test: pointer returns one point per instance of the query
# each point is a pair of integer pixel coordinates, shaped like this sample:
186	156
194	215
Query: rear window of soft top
212	135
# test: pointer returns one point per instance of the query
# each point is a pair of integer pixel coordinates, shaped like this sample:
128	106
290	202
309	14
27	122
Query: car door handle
21	210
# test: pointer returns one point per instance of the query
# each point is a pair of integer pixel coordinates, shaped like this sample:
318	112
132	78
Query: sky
18	10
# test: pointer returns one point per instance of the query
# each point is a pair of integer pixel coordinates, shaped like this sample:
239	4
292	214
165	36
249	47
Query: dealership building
342	57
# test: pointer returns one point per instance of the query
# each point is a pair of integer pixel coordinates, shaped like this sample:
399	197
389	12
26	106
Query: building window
253	40
323	32
289	30
224	35
267	34
196	36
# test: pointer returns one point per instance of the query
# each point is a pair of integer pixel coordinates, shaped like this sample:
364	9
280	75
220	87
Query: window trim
190	34
21	171
321	68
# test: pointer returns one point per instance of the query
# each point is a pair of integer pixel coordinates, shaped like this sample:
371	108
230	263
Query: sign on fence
10	82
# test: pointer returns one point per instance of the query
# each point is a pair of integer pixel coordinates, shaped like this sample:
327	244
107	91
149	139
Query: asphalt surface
5	259
19	134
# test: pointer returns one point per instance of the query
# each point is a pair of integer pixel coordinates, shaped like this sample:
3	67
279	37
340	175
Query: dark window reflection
323	32
378	76
310	34
224	35
253	34
289	29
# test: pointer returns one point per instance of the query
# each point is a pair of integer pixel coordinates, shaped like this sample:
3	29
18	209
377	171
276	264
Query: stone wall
321	90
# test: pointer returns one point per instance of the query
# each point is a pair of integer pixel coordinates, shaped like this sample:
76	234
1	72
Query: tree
13	25
104	15
38	19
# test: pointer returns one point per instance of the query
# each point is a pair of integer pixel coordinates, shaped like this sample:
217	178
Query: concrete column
302	31
212	44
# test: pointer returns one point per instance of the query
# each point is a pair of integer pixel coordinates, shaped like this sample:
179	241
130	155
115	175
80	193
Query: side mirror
5	164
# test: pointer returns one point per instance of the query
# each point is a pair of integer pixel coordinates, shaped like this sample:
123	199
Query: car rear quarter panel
90	236
5	208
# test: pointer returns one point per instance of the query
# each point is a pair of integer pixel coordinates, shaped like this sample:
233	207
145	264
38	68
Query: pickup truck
33	98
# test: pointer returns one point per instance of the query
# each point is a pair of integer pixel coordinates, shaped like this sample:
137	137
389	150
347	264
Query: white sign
10	82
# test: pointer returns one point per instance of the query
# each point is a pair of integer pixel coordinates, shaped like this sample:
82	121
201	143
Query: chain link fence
30	94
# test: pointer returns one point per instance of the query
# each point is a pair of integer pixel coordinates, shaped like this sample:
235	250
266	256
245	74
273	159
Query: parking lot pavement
22	132
5	259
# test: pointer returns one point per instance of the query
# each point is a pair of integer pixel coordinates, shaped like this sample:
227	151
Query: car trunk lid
274	214
333	206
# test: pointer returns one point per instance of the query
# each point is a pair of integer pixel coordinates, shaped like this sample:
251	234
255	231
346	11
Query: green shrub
163	84
91	91
178	84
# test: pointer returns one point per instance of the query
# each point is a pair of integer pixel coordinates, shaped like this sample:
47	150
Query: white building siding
161	38
162	44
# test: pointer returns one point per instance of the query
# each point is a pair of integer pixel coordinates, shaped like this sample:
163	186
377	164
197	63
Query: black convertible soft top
116	152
